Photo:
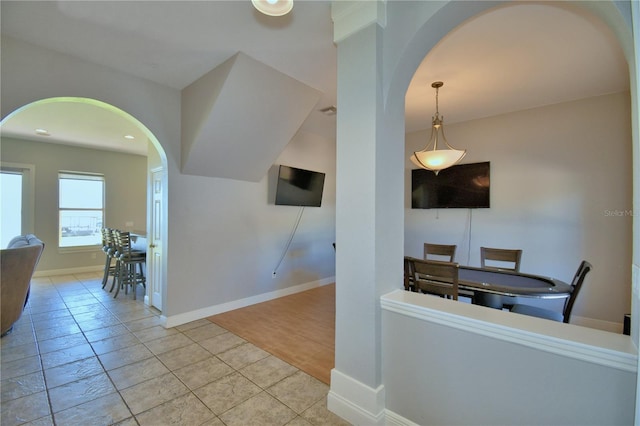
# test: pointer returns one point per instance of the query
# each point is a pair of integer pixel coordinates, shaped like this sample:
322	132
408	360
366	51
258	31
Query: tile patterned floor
77	356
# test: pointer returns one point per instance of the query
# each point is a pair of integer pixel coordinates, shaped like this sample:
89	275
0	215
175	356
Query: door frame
156	236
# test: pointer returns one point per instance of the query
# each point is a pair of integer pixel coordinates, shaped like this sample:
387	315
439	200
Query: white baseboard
179	319
395	419
356	402
68	271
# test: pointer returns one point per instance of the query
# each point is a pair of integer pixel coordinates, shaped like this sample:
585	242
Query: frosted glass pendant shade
273	7
436	160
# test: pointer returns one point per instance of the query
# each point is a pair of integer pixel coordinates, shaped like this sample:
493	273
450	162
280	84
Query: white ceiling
511	58
514	58
76	122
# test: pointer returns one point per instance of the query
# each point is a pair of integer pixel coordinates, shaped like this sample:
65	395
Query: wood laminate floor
299	329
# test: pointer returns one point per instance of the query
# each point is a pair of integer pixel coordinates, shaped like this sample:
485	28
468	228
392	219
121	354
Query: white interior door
154	250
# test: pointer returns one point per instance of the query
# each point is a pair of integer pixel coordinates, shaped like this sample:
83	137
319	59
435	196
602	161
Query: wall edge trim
599	355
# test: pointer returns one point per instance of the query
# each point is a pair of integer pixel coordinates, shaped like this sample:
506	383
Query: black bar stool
128	259
109	249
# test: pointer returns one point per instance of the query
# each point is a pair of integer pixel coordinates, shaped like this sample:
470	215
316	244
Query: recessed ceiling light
273	7
42	132
130	137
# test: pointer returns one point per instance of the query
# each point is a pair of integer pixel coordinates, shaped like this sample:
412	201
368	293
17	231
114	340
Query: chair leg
121	278
144	279
116	273
127	278
125	275
134	281
136	278
107	268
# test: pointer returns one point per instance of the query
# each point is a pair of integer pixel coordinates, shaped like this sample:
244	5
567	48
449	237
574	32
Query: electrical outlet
273	274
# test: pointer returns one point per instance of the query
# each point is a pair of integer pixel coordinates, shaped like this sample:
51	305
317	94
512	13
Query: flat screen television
461	186
299	187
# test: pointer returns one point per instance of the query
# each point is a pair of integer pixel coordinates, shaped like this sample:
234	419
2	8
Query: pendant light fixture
273	7
432	158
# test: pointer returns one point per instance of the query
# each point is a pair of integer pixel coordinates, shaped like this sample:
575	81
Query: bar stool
109	249
128	259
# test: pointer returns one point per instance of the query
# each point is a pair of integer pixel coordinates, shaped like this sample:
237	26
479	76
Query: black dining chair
565	315
130	264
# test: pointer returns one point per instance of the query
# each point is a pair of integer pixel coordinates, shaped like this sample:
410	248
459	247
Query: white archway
159	155
427	35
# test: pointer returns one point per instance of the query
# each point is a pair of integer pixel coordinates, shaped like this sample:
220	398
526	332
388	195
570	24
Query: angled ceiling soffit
239	117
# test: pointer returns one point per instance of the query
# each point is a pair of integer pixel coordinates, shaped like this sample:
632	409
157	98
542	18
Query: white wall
224	236
125	193
228	236
478	366
561	189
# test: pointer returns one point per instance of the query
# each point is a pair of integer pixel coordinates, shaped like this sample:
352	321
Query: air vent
331	110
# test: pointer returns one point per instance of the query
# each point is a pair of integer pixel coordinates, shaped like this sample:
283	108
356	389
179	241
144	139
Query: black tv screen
299	187
461	186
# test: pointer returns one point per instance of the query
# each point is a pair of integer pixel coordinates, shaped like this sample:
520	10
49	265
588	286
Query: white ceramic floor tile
197	373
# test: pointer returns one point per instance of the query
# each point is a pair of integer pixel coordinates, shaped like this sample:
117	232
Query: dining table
138	241
497	288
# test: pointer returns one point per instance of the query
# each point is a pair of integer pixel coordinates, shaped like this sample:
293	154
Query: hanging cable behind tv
286	249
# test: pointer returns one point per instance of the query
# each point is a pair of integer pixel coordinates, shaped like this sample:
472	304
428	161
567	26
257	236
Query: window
16	199
81	209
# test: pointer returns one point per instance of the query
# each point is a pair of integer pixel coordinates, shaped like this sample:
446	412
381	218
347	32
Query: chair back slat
104	233
110	239
435	277
123	243
500	255
446	251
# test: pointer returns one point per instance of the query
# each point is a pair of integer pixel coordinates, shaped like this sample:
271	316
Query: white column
369	213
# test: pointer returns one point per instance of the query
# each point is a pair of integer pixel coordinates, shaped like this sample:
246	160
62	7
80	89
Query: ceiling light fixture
432	158
129	137
273	7
42	132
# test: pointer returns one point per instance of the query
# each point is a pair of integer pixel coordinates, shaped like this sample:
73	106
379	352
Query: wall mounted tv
461	186
299	187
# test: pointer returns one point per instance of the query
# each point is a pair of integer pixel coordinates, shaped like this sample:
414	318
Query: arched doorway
80	124
533	122
385	55
607	18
